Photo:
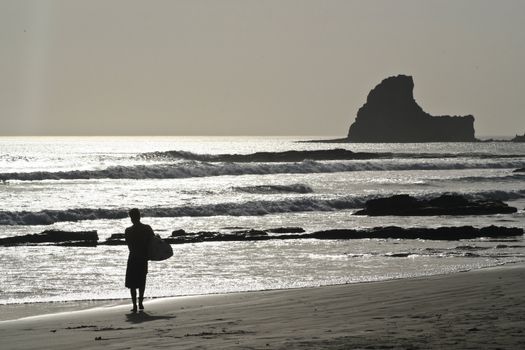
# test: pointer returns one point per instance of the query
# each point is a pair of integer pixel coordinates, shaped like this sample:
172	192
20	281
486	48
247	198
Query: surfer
138	238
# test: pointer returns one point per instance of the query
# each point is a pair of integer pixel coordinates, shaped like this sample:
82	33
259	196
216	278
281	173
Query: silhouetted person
138	238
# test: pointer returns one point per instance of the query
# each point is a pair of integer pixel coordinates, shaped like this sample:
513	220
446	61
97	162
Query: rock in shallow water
405	205
441	233
76	238
90	238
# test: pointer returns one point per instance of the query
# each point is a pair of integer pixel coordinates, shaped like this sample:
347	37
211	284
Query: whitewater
222	184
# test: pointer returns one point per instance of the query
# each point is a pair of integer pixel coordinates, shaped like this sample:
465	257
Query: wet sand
469	310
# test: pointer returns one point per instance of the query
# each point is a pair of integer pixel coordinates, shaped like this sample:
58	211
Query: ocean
225	183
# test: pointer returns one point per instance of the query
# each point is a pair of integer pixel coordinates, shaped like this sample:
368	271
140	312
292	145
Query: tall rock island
519	138
391	114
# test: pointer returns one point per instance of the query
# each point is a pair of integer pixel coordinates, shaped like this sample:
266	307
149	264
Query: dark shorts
136	272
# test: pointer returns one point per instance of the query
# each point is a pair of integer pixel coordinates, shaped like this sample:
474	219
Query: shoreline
30	310
480	308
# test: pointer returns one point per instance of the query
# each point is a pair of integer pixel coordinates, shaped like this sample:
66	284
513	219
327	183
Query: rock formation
447	204
54	237
90	238
391	114
452	233
394	232
519	138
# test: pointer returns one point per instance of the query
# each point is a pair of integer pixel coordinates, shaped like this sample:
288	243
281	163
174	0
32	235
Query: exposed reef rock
520	170
441	233
519	138
116	239
90	238
286	230
391	114
54	237
447	204
394	232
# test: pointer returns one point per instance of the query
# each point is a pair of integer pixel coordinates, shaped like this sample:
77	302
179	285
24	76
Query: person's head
134	215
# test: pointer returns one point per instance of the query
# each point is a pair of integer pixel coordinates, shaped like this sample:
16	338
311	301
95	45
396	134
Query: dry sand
483	309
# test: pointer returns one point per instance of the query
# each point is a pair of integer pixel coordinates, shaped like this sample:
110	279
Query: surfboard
159	250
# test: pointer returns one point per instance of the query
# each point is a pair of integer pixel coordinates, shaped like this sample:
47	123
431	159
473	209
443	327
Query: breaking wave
188	169
504	178
267	157
299	156
249	208
497	195
269	189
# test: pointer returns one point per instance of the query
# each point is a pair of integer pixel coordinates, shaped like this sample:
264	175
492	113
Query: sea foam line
251	208
326	154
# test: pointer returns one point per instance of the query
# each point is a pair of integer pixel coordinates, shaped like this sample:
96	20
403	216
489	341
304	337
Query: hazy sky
244	67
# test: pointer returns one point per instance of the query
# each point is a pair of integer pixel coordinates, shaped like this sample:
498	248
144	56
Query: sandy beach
481	309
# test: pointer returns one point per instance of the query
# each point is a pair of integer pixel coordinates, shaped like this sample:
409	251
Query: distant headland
391	114
519	138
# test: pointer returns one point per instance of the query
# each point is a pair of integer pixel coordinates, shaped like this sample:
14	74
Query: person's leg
134	298
141	296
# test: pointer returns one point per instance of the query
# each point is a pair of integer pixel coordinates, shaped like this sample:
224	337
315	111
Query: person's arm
151	234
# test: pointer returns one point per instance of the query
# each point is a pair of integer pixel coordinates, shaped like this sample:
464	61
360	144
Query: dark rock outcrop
178	233
392	232
55	237
251	233
116	239
520	170
441	233
286	230
90	238
447	204
519	138
391	114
